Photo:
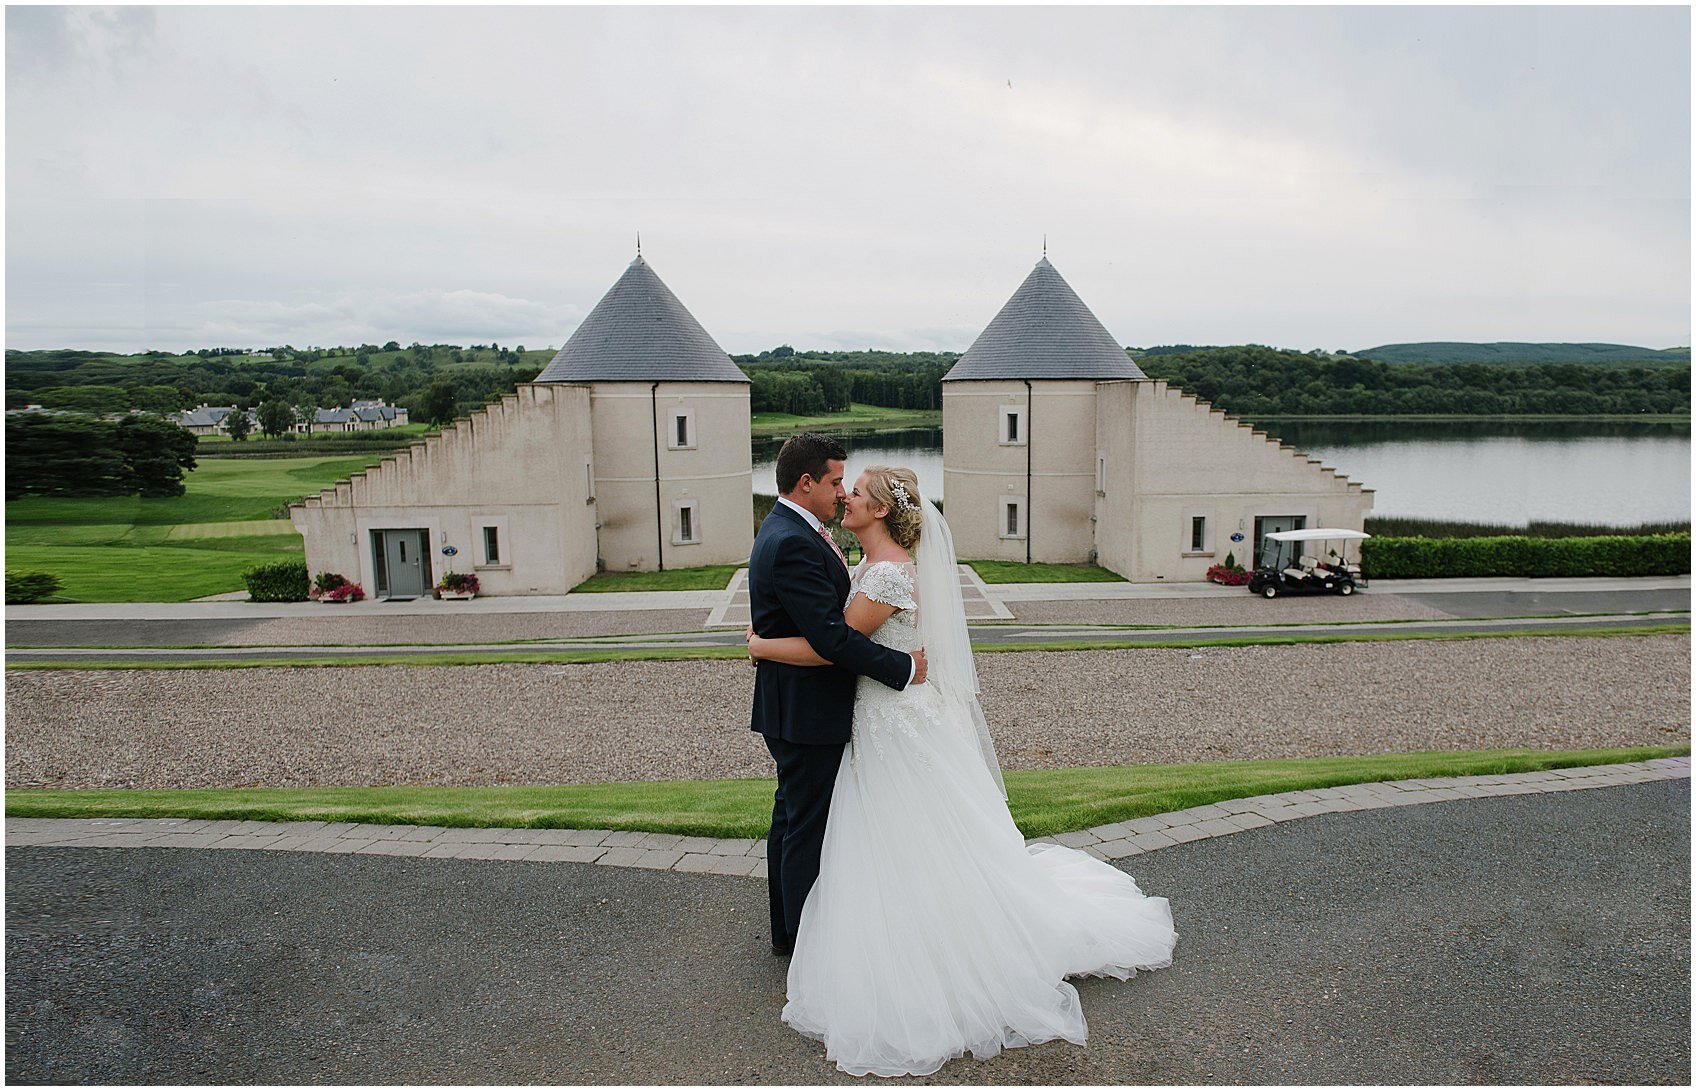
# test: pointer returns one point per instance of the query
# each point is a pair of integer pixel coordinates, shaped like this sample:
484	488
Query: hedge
281	581
22	587
1437	558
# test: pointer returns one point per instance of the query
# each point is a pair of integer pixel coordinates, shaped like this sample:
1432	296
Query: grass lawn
1040	572
712	577
171	549
858	418
1043	802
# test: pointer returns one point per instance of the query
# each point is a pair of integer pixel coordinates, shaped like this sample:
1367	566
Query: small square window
491	545
1198	533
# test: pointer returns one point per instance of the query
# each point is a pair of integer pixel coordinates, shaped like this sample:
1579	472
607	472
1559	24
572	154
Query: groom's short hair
807	453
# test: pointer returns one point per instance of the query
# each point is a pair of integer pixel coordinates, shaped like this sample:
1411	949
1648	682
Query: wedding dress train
932	929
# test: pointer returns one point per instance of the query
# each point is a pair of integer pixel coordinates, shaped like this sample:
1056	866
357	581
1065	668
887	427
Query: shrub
1517	555
280	581
22	587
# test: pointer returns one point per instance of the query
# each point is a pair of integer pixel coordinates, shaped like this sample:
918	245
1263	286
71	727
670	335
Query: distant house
365	415
213	420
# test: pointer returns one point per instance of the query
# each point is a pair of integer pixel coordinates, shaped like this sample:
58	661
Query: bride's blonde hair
897	488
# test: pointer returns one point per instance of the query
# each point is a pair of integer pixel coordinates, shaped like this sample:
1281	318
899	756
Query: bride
933	929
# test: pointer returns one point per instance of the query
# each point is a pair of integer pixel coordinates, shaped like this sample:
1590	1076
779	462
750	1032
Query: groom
798	586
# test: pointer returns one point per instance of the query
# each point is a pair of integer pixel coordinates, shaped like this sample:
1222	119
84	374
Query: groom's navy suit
797	586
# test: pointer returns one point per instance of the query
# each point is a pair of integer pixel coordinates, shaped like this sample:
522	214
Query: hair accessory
900	491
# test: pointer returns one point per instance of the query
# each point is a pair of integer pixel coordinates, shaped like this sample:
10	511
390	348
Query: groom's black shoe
784	947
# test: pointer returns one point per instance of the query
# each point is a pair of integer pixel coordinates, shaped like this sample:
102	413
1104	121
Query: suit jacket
798	587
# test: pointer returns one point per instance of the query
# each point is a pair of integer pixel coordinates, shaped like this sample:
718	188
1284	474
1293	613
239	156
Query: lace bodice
892	583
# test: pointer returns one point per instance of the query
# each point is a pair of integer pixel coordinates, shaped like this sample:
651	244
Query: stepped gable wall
521	465
1171	457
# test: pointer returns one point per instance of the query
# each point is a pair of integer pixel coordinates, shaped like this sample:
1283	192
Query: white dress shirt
813	521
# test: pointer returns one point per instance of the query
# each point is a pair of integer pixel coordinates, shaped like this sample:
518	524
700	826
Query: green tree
276	417
238	425
156	453
441	402
62	456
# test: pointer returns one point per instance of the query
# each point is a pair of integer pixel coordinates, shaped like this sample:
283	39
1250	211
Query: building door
403	567
1272	524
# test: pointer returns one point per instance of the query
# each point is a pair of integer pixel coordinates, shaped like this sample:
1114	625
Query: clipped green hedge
23	587
1437	558
280	581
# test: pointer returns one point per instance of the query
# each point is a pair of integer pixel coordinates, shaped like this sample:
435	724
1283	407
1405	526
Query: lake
1504	472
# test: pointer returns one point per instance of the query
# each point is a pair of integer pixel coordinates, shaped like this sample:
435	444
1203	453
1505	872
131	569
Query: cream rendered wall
978	469
1170	456
519	463
717	473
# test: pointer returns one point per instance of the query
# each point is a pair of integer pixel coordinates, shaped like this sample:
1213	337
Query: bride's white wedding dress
932	929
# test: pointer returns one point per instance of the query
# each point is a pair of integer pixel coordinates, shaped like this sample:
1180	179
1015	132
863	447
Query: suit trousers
806	777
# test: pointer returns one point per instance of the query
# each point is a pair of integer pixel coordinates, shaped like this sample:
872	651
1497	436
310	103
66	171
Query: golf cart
1308	561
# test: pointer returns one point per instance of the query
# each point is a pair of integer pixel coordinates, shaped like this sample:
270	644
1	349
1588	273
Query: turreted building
1057	447
629	452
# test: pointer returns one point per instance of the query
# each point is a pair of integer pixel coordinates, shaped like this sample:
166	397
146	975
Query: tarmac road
1535	939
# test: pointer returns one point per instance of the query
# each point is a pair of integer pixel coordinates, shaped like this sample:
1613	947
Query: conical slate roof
1045	332
639	332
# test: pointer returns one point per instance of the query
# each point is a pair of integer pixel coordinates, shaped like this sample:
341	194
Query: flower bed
335	587
459	583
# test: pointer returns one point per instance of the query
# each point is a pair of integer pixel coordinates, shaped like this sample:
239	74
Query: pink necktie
834	548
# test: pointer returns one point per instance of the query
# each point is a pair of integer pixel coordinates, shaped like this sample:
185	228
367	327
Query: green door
405	562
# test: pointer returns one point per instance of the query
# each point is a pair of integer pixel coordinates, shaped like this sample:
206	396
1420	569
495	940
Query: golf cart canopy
1316	534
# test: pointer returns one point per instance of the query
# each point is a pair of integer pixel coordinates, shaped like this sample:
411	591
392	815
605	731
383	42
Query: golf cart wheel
1347	588
1269	591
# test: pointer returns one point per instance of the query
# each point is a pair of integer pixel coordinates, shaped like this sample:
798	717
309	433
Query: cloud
852	175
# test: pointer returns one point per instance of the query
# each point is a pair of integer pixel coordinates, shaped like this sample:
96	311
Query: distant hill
1523	352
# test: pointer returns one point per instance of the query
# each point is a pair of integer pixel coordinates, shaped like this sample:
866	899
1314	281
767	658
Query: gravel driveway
540	724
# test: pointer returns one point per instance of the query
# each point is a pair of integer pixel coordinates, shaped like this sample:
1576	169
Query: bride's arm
863	615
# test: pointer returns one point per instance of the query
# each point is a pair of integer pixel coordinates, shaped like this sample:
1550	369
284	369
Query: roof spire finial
1045	244
639	244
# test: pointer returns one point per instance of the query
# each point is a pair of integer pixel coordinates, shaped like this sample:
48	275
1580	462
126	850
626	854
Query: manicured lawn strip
622	654
711	577
446	659
1043	802
859	418
1042	572
1311	624
623	638
1315	638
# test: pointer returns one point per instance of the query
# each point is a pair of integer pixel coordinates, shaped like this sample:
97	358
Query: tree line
437	383
1252	380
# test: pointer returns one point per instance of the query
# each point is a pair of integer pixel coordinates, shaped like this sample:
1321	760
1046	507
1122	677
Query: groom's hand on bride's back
919	667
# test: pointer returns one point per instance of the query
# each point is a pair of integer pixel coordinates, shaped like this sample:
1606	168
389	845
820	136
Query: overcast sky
846	178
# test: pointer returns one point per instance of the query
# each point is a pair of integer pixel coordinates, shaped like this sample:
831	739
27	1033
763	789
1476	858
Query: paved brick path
742	856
